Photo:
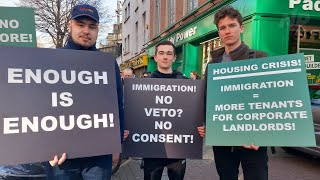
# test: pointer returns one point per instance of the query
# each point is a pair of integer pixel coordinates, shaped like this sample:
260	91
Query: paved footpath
281	166
196	169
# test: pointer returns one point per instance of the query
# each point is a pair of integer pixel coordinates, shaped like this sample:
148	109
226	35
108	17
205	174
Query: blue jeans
87	173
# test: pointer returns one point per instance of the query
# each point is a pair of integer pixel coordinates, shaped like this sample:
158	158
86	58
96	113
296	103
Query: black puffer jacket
173	75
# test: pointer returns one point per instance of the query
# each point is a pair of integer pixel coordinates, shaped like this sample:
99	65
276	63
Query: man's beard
81	46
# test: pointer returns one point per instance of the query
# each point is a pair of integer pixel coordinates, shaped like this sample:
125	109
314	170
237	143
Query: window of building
157	17
171	5
125	46
137	37
127	12
191	5
305	38
144	26
128	9
136	5
128	40
209	46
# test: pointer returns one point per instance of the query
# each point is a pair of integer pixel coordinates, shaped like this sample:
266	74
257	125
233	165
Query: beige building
135	35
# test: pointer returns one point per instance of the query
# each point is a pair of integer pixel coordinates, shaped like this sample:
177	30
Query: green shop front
276	27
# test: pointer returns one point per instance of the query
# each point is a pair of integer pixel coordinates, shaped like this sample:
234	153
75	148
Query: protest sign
264	102
55	101
17	27
162	116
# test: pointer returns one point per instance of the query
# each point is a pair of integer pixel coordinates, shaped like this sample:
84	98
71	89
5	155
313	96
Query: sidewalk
196	169
205	169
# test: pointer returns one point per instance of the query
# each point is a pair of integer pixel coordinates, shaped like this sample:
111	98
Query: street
282	166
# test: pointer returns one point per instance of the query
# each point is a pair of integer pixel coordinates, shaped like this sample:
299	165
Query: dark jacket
105	160
173	75
166	161
241	53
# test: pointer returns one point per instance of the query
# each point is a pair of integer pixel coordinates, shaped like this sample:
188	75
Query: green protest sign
17	27
261	101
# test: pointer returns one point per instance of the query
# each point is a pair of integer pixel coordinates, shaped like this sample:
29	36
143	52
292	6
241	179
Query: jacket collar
235	54
72	45
158	74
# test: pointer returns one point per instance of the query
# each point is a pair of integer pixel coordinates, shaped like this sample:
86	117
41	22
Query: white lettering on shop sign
308	5
184	35
308	58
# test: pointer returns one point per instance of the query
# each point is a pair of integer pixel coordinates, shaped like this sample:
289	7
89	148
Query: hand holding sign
57	161
202	131
252	146
125	134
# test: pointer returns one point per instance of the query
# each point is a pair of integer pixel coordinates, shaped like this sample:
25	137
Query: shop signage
308	58
189	33
307	5
183	35
135	63
312	61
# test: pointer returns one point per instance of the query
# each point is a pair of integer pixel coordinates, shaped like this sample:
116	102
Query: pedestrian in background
128	73
194	75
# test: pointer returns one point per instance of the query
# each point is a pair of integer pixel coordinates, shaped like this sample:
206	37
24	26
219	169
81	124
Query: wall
129	27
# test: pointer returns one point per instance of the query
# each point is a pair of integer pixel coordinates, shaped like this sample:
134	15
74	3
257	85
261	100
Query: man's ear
241	28
155	58
174	59
69	26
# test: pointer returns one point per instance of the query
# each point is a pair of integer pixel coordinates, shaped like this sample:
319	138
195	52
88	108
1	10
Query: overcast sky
111	4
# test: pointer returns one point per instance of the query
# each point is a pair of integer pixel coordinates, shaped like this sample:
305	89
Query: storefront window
305	39
177	65
309	37
209	46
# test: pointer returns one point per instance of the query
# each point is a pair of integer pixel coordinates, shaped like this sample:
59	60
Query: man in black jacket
253	159
83	29
165	55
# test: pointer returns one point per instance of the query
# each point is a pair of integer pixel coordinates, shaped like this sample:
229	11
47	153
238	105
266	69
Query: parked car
35	171
313	151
